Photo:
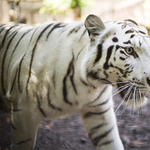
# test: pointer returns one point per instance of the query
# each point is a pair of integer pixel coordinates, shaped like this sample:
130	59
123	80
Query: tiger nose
148	81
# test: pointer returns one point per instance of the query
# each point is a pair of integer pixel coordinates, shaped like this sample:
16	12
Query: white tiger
58	68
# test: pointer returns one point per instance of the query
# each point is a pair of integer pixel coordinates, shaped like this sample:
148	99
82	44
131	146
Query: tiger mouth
131	92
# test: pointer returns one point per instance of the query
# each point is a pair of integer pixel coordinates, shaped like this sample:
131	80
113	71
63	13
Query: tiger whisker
134	100
127	100
138	110
140	96
124	98
121	88
128	91
119	106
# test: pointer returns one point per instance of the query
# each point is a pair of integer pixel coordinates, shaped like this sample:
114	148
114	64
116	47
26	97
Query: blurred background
39	11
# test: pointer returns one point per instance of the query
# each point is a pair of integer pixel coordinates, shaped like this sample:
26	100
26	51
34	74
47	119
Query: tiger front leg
100	123
24	126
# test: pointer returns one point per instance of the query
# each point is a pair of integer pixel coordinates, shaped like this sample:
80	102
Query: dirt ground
68	134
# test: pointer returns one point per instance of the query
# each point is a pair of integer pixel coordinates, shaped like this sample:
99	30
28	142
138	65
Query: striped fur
58	68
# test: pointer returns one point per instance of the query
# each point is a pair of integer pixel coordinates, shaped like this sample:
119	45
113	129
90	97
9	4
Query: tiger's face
120	54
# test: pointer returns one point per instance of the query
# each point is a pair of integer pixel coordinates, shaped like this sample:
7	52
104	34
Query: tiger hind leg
24	127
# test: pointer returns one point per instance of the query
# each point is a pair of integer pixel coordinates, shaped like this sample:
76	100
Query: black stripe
97	139
2	30
99	53
126	65
122	52
70	71
72	75
89	114
121	58
148	81
75	30
23	142
94	129
130	20
58	25
128	42
21	39
132	35
93	75
49	101
35	29
13	127
109	52
142	32
32	55
3	41
63	28
82	34
19	72
87	84
2	27
101	92
14	81
120	23
100	104
111	65
83	82
121	70
39	106
129	31
98	126
105	80
117	47
73	84
13	32
105	73
65	92
54	76
80	52
125	74
3	62
106	143
16	48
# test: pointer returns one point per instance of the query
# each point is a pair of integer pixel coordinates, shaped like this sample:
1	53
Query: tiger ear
94	25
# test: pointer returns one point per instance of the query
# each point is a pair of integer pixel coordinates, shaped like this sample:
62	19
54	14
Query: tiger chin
57	69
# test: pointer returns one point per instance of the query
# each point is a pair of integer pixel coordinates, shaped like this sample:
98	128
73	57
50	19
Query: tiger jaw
133	96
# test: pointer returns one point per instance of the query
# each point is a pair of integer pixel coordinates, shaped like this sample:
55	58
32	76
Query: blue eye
129	50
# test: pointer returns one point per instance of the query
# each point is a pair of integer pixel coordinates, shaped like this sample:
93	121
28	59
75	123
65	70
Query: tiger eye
129	50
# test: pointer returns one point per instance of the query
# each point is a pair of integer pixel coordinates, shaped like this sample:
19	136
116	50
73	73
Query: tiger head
119	54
